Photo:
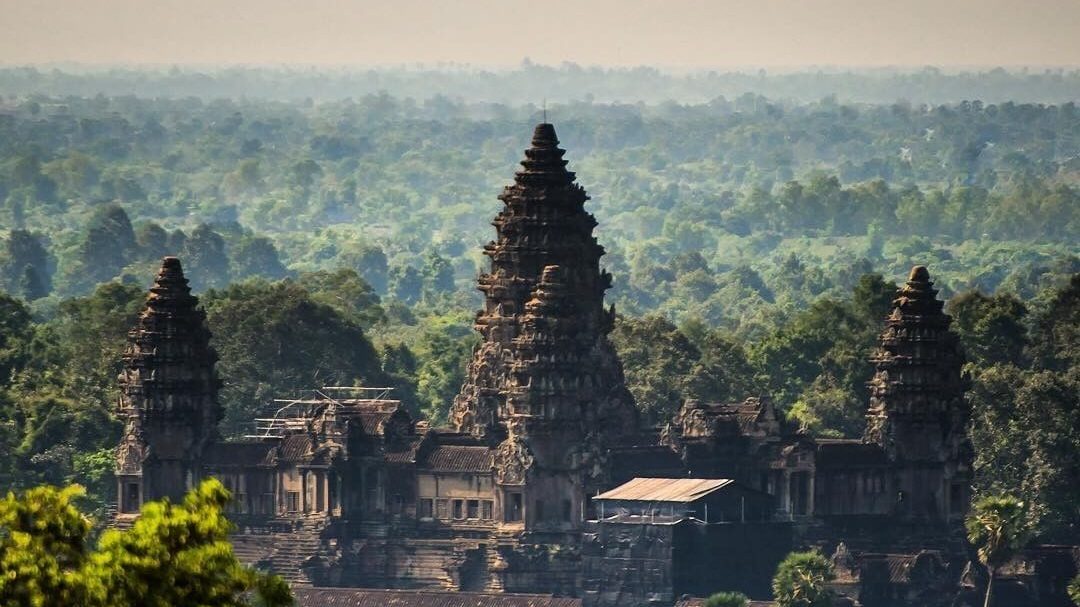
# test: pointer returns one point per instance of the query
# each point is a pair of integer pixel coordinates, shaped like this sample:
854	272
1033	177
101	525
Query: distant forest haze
332	223
677	33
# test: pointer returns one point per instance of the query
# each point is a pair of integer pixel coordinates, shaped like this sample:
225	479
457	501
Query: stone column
785	493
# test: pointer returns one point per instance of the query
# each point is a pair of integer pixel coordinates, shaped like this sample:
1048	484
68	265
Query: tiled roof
371	420
357	597
405	455
295	447
460	458
665	489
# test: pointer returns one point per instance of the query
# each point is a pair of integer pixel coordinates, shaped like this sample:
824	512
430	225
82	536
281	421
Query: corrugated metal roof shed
365	597
665	489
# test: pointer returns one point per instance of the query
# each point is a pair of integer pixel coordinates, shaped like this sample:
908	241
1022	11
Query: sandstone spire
543	224
917	410
168	390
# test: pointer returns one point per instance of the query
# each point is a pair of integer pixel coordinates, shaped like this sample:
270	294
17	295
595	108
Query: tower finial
545	110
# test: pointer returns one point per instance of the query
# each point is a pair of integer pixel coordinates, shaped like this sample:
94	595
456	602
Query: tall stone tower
545	384
168	394
917	412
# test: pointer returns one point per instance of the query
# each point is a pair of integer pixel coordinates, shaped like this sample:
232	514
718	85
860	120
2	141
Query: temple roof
460	458
918	295
544	163
168	360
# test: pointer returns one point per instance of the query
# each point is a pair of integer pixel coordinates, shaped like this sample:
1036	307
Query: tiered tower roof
169	363
918	378
542	227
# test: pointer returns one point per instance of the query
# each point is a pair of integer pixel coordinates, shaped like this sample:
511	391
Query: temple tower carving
168	394
545	385
917	411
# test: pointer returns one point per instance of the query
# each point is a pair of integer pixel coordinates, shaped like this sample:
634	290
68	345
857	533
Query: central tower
545	384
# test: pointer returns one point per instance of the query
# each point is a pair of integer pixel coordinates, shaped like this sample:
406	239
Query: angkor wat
532	489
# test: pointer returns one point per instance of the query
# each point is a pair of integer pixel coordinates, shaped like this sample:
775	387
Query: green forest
756	236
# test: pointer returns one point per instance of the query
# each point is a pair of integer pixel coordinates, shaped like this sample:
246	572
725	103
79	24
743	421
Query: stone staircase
369	529
283	548
292	551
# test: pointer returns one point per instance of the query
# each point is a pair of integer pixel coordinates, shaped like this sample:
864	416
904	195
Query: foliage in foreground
997	527
801	580
727	599
175	555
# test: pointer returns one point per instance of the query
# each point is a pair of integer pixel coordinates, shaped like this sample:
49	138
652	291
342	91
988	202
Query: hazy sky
698	33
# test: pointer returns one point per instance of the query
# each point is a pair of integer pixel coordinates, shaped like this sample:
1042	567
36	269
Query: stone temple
545	484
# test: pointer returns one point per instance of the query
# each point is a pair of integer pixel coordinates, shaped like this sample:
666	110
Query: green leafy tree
206	260
43	548
31	286
153	241
992	329
827	408
1025	428
658	361
997	527
345	291
370	262
253	256
16	326
727	599
275	339
406	283
22	251
1055	342
81	347
179	555
1074	590
107	246
438	273
173	556
802	580
443	349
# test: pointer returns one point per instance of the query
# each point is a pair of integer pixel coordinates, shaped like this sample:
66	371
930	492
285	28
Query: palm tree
802	579
996	527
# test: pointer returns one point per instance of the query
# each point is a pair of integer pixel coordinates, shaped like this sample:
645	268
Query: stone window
426	505
459	510
473	509
487	510
292	501
442	510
